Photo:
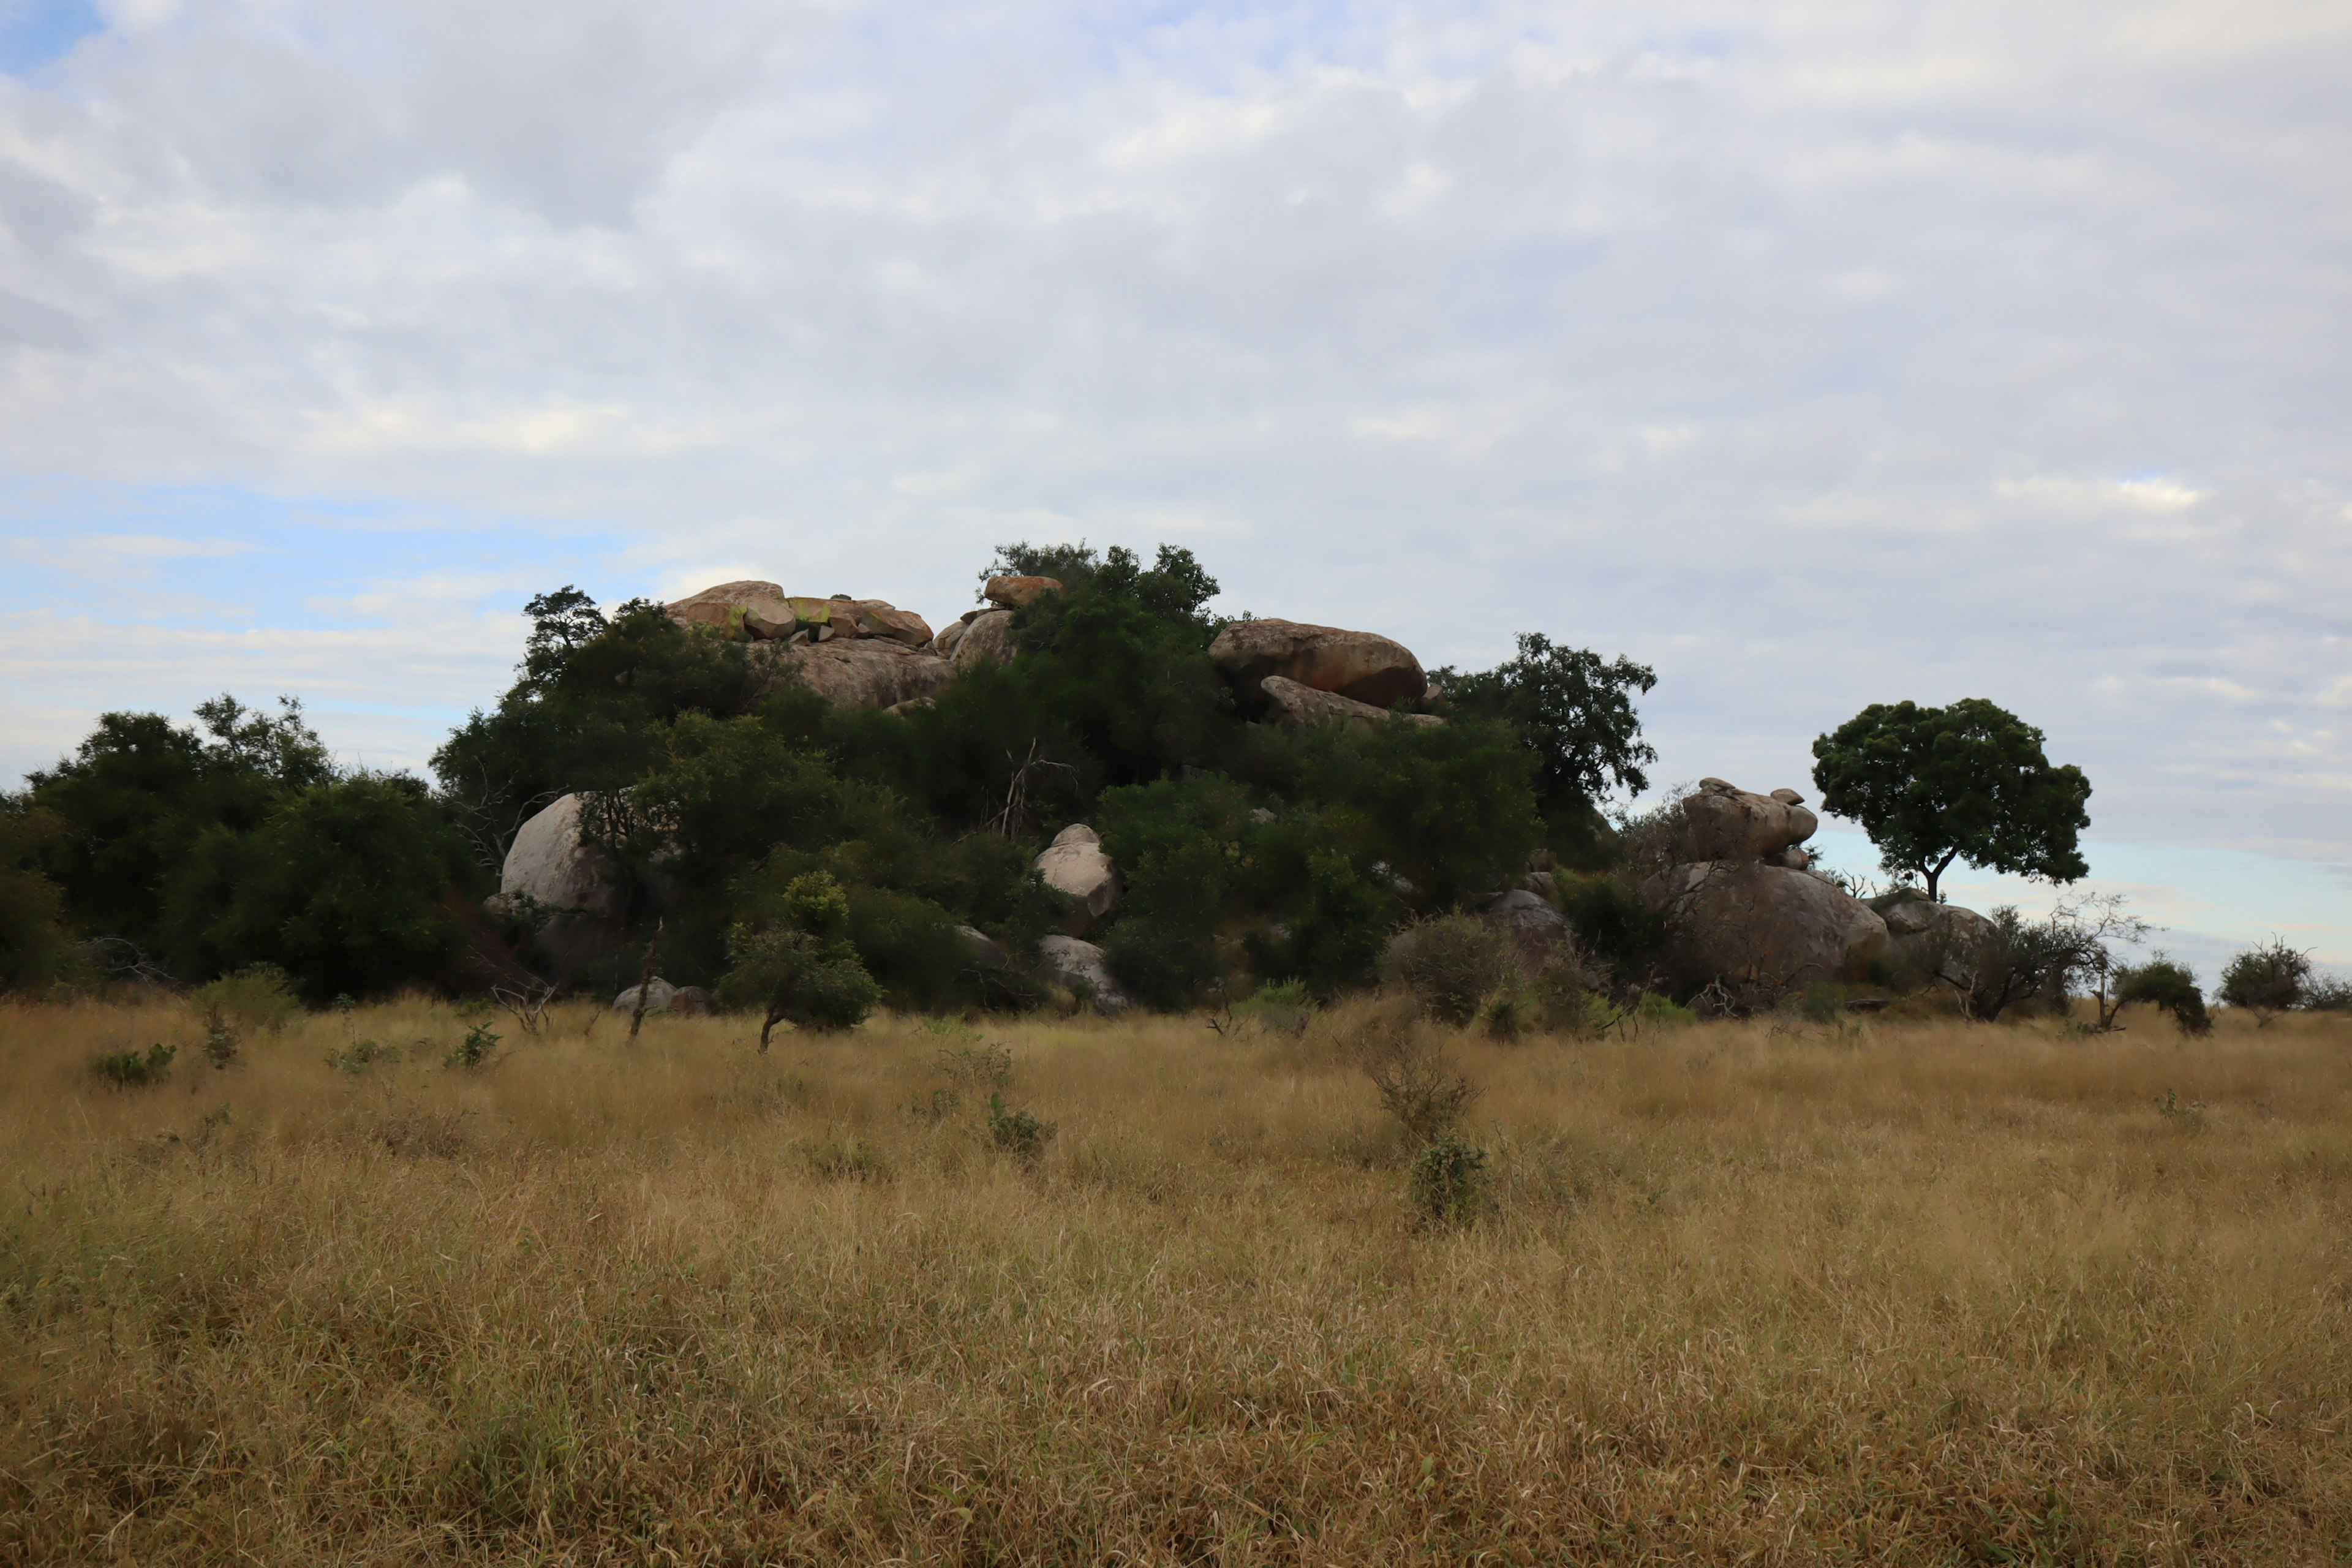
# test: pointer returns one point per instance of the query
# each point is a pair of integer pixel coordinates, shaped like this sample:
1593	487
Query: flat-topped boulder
1299	705
1014	592
763	612
1364	665
986	636
728	609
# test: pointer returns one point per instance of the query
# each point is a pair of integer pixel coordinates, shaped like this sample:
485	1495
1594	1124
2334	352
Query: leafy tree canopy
1931	786
1573	710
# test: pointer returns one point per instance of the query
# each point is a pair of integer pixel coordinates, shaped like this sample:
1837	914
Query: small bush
259	996
221	1043
988	1066
358	1056
1450	964
132	1069
473	1053
854	1160
1450	1182
1416	1080
2328	994
1658	1010
1017	1132
1821	1002
1614	925
2266	980
1286	1009
2168	987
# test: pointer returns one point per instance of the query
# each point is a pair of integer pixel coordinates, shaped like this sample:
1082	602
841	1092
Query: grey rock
580	889
1744	922
1364	665
1299	705
659	995
1730	823
1925	936
989	635
692	1001
1075	864
983	949
1081	966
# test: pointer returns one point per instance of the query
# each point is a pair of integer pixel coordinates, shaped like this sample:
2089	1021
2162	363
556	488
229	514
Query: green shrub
2167	986
1658	1010
473	1053
1613	926
221	1043
130	1069
2328	994
1450	964
1450	1182
849	1160
1286	1008
805	970
1162	965
1017	1132
259	996
2266	980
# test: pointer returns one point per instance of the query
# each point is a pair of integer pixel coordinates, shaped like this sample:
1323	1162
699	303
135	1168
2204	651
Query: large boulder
580	888
1753	925
1927	936
1726	822
1534	921
1080	966
659	995
986	636
862	673
1298	706
1075	864
1014	592
737	610
1362	665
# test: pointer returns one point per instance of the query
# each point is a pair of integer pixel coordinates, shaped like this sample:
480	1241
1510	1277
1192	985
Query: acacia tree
1971	781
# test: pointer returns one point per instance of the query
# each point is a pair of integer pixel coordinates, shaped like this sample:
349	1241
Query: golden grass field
1916	1294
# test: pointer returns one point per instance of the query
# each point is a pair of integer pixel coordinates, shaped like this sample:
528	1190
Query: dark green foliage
473	1053
1969	782
1613	925
1338	916
2167	986
803	968
348	887
132	802
259	996
35	948
1575	711
1450	1182
2266	980
1017	1132
133	1069
1452	964
2328	994
2018	961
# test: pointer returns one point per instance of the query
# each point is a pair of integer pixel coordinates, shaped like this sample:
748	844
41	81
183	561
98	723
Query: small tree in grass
2267	980
2167	985
802	969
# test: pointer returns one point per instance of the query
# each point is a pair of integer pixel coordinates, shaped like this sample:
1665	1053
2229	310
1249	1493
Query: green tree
130	804
803	968
1971	781
2266	980
34	946
2167	985
1575	711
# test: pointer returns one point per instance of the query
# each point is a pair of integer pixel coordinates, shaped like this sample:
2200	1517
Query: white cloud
1818	353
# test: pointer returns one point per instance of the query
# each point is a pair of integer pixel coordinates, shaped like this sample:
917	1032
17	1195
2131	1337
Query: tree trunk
766	1028
1935	872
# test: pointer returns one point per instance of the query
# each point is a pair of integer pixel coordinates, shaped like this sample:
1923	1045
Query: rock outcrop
1075	864
864	672
1747	911
987	635
1299	705
580	888
1727	823
1748	925
1364	665
1080	966
765	613
1928	937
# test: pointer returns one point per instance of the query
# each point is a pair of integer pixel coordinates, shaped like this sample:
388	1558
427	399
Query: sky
1814	353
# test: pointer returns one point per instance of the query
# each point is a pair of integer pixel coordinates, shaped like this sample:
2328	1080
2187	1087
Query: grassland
1914	1294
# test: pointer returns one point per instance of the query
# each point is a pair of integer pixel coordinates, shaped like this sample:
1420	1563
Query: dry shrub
1452	964
1417	1078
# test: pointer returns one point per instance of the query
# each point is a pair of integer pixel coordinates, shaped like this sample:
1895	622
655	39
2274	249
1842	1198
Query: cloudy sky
1817	353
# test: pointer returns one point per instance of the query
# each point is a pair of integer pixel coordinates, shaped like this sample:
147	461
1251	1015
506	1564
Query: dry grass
1932	1294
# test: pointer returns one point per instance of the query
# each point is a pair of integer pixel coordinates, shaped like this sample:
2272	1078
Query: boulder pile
1363	667
1749	912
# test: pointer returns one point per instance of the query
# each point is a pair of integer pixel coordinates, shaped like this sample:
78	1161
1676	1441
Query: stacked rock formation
988	633
1303	674
863	653
1748	912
